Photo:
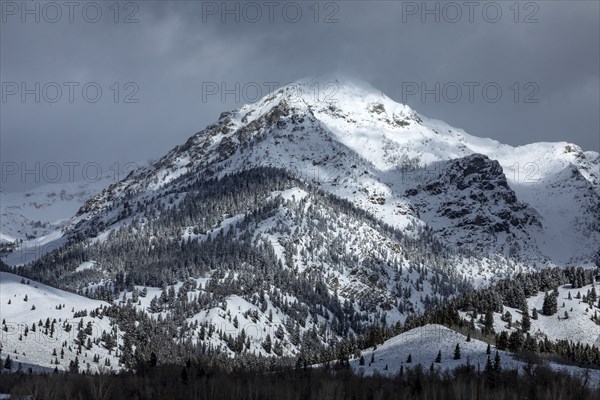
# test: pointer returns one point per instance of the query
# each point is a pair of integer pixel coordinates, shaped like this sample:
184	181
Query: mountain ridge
353	141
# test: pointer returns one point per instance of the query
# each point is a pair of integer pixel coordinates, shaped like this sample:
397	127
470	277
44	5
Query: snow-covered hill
577	325
423	345
40	326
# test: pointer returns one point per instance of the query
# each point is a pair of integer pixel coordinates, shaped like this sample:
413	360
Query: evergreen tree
74	366
457	352
497	365
525	320
550	306
438	359
127	357
267	344
409	359
507	317
515	341
530	344
8	363
488	326
489	369
502	341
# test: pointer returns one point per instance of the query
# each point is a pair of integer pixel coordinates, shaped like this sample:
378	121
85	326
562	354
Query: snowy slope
37	347
424	343
578	327
374	275
39	211
229	319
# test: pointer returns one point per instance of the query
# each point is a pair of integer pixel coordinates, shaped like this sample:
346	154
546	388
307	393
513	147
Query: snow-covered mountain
37	212
538	202
313	215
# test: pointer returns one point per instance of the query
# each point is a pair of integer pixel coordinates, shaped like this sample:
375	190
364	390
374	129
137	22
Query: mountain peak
343	83
324	90
331	89
340	103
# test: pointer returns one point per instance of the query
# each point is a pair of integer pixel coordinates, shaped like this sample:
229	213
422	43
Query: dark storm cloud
166	58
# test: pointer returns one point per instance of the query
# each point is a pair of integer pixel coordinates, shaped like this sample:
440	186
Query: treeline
481	304
193	381
148	341
511	292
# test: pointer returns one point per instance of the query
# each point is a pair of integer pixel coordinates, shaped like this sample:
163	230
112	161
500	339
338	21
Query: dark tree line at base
194	382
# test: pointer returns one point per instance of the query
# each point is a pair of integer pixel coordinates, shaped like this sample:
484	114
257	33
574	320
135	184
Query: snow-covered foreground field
423	345
23	305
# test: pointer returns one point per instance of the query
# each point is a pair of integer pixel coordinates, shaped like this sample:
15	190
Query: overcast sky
543	55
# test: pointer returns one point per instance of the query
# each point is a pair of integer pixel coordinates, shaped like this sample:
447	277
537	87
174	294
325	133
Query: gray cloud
175	48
